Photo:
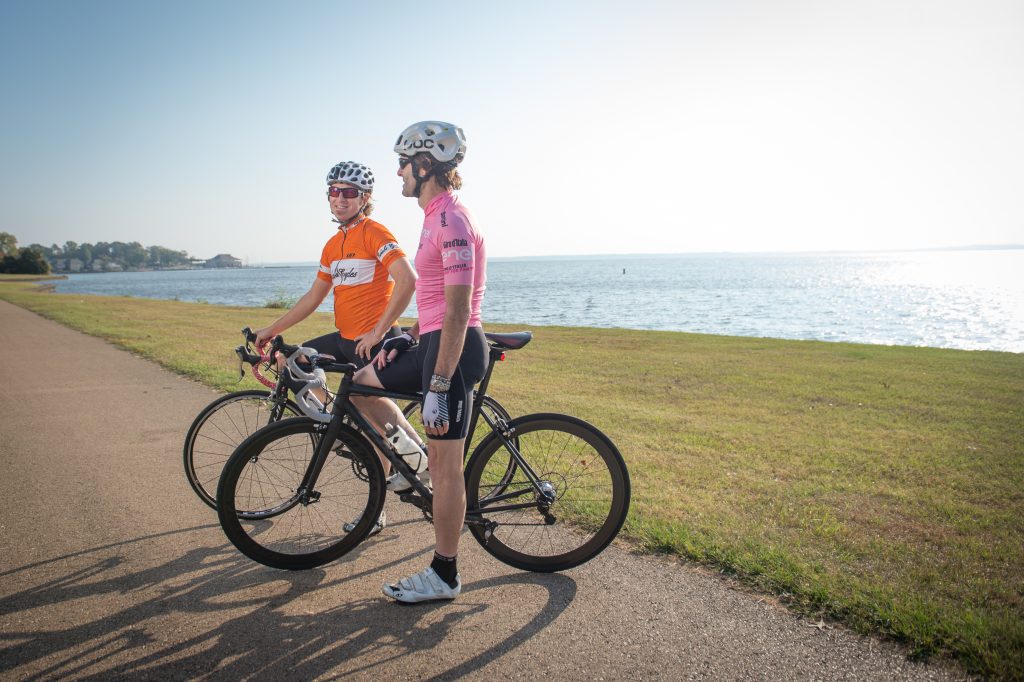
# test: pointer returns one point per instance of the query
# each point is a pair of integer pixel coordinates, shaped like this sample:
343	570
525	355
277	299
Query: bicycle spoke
284	526
218	430
576	491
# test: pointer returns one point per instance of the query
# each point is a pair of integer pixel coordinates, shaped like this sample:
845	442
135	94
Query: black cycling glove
398	343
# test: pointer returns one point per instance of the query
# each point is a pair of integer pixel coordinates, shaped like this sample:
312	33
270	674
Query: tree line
39	259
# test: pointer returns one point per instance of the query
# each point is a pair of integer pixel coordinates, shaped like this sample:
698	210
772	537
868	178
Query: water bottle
406	447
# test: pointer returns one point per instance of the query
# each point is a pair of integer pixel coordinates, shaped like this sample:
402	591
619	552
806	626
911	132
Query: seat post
493	355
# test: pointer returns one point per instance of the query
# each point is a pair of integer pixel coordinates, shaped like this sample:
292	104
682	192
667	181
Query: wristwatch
440	384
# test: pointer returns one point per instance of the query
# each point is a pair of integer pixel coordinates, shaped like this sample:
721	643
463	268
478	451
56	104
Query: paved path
111	568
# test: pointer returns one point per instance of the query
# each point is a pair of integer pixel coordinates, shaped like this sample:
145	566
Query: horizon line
965	247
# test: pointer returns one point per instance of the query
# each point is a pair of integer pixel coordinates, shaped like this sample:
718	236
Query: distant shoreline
966	299
599	256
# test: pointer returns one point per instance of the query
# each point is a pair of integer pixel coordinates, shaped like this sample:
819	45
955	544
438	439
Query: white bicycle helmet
444	141
353	173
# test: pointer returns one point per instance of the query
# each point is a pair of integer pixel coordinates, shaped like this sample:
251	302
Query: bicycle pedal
415	500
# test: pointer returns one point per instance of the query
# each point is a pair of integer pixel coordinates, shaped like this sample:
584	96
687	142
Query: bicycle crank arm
416	500
488	525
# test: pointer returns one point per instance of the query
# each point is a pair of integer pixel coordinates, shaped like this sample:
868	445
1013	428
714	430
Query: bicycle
221	426
545	492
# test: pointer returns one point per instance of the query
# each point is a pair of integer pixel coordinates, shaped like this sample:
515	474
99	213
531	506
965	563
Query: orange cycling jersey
356	263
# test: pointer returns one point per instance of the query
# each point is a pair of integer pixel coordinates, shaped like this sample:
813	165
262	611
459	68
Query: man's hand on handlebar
263	337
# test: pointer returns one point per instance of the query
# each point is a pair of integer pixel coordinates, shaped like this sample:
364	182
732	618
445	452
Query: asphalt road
111	568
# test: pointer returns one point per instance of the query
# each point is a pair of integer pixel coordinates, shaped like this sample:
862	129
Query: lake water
970	299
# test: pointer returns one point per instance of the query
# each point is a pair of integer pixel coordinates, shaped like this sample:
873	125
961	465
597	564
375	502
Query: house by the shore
223	260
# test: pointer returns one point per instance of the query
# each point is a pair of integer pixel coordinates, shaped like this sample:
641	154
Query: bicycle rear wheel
576	510
220	428
295	528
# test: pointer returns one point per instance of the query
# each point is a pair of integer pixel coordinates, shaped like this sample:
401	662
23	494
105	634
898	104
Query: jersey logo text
343	274
352	271
457	254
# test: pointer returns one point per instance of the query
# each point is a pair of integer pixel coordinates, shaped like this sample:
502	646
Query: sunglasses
347	192
403	161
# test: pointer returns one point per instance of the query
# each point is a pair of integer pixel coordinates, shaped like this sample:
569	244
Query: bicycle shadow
243	618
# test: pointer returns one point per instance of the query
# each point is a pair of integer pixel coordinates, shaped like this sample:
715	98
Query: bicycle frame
343	407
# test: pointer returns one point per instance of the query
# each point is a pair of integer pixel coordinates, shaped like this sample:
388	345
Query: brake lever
240	351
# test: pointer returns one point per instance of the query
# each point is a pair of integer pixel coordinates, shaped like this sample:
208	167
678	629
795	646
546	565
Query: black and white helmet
444	141
353	173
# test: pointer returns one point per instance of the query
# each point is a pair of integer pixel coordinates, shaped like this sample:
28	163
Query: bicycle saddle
510	341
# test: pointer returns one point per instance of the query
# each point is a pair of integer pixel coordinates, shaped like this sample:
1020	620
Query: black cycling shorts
345	349
411	372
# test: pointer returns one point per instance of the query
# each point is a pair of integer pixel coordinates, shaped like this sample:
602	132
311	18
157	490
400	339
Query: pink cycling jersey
451	252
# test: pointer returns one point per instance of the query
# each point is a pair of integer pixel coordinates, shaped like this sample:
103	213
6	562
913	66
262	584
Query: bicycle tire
218	429
588	480
292	532
490	405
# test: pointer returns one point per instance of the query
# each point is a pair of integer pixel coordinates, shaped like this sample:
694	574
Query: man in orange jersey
372	280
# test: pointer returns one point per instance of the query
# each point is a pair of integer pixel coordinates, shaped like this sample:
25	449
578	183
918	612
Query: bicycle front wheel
220	428
299	527
558	492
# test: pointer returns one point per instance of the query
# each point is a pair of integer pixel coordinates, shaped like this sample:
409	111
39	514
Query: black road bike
221	426
545	492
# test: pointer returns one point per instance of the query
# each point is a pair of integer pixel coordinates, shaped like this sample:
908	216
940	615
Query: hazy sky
593	127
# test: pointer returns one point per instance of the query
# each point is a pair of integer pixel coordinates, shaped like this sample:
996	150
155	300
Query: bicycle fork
329	433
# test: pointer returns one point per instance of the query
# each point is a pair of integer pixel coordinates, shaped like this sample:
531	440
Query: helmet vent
444	141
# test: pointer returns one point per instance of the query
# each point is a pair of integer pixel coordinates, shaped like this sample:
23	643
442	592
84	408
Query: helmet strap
419	186
421	180
354	219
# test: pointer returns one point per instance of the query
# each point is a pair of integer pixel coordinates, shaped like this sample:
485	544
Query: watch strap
440	384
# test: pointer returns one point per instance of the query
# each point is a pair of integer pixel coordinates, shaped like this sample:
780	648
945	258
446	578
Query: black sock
445	568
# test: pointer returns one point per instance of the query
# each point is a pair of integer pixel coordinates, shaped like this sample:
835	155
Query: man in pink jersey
451	355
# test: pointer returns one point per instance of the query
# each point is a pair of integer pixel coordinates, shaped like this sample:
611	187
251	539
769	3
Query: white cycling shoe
382	522
397	483
423	586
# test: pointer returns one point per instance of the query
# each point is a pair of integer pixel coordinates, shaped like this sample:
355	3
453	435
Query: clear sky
593	127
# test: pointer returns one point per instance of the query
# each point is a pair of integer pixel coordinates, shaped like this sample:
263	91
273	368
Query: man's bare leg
445	458
380	411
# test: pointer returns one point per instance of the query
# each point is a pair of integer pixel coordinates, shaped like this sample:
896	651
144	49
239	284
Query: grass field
881	486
